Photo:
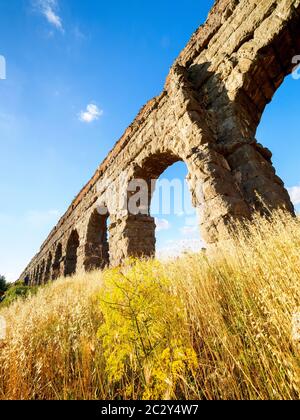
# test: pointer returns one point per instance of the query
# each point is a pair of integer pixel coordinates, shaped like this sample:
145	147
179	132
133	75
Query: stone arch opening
176	219
27	280
37	275
150	170
42	272
47	275
71	254
278	131
264	64
141	225
34	276
261	64
56	267
97	245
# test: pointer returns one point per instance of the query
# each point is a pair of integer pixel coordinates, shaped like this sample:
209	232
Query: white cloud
53	18
91	114
175	248
162	224
49	9
295	194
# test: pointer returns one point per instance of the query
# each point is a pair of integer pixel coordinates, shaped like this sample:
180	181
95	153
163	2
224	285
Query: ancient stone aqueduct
206	116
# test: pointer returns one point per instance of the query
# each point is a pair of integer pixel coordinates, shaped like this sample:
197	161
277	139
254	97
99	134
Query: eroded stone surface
206	116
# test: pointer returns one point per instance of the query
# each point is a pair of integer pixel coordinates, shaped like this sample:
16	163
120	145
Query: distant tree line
9	292
3	285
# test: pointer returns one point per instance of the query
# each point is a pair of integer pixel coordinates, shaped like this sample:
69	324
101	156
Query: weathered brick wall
206	116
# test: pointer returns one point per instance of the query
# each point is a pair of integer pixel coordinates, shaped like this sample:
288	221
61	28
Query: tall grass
200	327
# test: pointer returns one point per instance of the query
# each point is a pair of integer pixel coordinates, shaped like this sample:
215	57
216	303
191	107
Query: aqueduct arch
207	116
56	267
96	246
71	254
42	272
47	274
37	275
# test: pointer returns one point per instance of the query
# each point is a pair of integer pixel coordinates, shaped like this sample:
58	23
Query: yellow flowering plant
143	331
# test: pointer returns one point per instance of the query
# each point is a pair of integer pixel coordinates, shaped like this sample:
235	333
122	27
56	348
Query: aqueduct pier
206	116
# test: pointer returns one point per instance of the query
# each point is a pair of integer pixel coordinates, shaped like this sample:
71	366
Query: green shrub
17	291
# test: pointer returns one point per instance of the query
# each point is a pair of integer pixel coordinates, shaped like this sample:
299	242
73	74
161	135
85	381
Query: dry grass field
217	327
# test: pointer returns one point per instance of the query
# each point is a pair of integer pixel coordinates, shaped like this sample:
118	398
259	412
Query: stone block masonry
207	117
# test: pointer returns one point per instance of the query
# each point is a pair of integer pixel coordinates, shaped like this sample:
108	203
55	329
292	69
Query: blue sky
78	71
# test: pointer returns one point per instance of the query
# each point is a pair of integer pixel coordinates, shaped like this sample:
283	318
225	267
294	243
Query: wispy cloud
92	113
295	194
162	224
49	9
78	34
175	248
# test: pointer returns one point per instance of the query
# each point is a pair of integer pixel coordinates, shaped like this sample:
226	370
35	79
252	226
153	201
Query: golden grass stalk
201	327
